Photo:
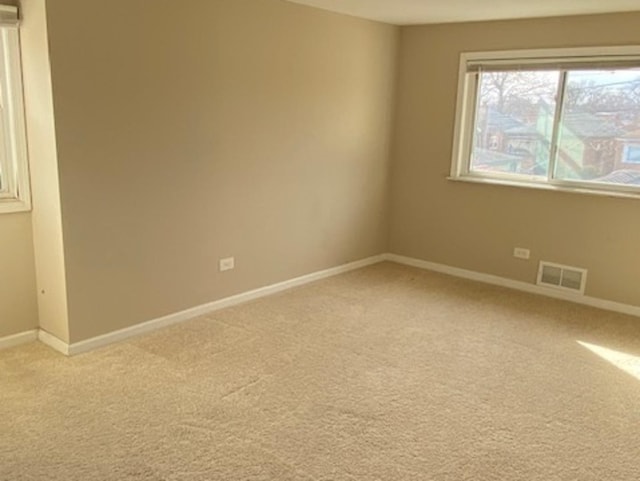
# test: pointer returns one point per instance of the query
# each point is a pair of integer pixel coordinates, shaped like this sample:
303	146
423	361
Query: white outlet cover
521	253
227	264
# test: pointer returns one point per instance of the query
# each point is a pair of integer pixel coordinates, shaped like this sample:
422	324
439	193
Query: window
631	154
14	174
559	119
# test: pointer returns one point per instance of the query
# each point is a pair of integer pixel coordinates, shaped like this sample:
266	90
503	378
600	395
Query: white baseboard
53	342
517	285
155	324
18	339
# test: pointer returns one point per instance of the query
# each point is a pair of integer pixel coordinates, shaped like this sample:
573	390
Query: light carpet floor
385	373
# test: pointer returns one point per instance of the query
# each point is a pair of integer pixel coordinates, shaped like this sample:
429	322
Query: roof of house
523	130
587	125
627	177
500	121
583	124
633	135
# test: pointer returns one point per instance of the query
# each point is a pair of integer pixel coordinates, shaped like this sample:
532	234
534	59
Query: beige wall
18	308
202	129
476	226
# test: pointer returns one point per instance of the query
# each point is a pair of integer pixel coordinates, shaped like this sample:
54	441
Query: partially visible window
14	172
566	119
631	154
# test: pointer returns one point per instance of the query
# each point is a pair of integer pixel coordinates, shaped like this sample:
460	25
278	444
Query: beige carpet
386	373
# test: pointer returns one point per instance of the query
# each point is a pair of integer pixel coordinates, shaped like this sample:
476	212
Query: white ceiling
408	12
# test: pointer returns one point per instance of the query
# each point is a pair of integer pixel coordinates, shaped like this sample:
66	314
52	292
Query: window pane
599	135
514	122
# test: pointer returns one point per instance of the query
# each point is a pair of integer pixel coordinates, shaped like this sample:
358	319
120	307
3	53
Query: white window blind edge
580	58
613	63
9	16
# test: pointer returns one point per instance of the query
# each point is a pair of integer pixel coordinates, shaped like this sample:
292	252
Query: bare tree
517	92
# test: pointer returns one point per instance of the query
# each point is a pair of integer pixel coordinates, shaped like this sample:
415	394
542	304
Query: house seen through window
565	121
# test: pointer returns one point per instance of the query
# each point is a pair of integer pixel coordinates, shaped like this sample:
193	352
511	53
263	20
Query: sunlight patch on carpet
626	362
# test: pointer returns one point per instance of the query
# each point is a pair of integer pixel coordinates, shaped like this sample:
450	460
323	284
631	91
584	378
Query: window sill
12	206
547	187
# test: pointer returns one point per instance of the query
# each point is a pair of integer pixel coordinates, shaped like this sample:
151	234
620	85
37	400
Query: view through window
14	173
555	124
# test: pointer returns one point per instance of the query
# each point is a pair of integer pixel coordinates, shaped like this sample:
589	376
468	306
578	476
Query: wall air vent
557	276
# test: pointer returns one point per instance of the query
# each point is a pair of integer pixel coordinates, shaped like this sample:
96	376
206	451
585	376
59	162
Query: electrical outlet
521	253
227	264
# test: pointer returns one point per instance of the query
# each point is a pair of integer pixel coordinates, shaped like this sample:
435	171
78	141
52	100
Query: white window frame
466	111
15	194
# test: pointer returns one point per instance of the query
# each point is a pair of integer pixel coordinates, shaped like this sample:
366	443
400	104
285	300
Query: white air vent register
562	277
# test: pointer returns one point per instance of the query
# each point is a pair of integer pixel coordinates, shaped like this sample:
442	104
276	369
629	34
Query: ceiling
408	12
